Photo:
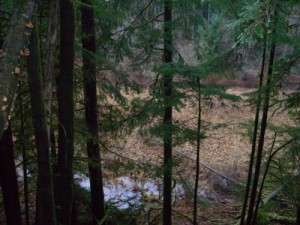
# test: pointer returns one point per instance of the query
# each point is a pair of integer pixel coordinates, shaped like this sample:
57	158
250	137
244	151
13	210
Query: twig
272	195
211	169
135	19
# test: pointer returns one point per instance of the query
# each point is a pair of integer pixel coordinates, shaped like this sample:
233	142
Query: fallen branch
211	169
272	195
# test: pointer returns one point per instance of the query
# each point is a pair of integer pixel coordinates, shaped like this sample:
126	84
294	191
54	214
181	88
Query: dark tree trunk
50	64
74	211
8	179
298	215
64	189
199	124
167	121
272	154
255	131
91	114
24	154
45	207
261	137
52	143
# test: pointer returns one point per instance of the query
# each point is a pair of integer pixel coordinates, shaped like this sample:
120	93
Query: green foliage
211	37
262	217
120	217
252	22
126	30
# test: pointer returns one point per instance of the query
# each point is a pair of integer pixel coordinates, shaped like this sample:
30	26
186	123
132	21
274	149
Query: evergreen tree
8	180
167	121
91	112
64	190
45	196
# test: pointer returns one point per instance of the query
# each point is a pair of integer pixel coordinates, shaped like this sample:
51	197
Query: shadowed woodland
123	112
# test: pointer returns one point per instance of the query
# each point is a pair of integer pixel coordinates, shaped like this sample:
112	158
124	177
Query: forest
149	112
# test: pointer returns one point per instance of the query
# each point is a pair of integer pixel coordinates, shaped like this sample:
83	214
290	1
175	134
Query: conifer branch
14	47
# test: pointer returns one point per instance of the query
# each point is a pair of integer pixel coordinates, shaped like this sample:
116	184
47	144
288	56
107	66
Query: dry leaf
17	70
26	33
26	52
29	25
4	108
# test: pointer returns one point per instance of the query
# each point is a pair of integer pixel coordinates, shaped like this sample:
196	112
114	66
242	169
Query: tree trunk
45	207
91	114
65	192
15	41
50	63
24	154
298	215
199	124
8	180
167	121
255	130
261	137
272	154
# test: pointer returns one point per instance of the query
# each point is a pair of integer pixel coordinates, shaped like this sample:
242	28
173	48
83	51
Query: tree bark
15	41
261	137
45	207
8	180
24	155
199	125
271	156
64	189
91	114
167	120
298	215
255	130
50	63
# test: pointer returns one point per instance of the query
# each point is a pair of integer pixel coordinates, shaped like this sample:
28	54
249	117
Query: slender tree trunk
198	152
49	71
24	155
65	192
261	137
74	211
1	35
52	143
50	62
8	179
255	130
8	176
91	114
272	154
298	215
167	121
45	207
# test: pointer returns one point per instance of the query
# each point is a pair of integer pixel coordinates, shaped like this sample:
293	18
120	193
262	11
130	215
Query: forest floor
224	156
133	174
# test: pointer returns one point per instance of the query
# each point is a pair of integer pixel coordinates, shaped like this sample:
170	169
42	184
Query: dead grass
225	149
